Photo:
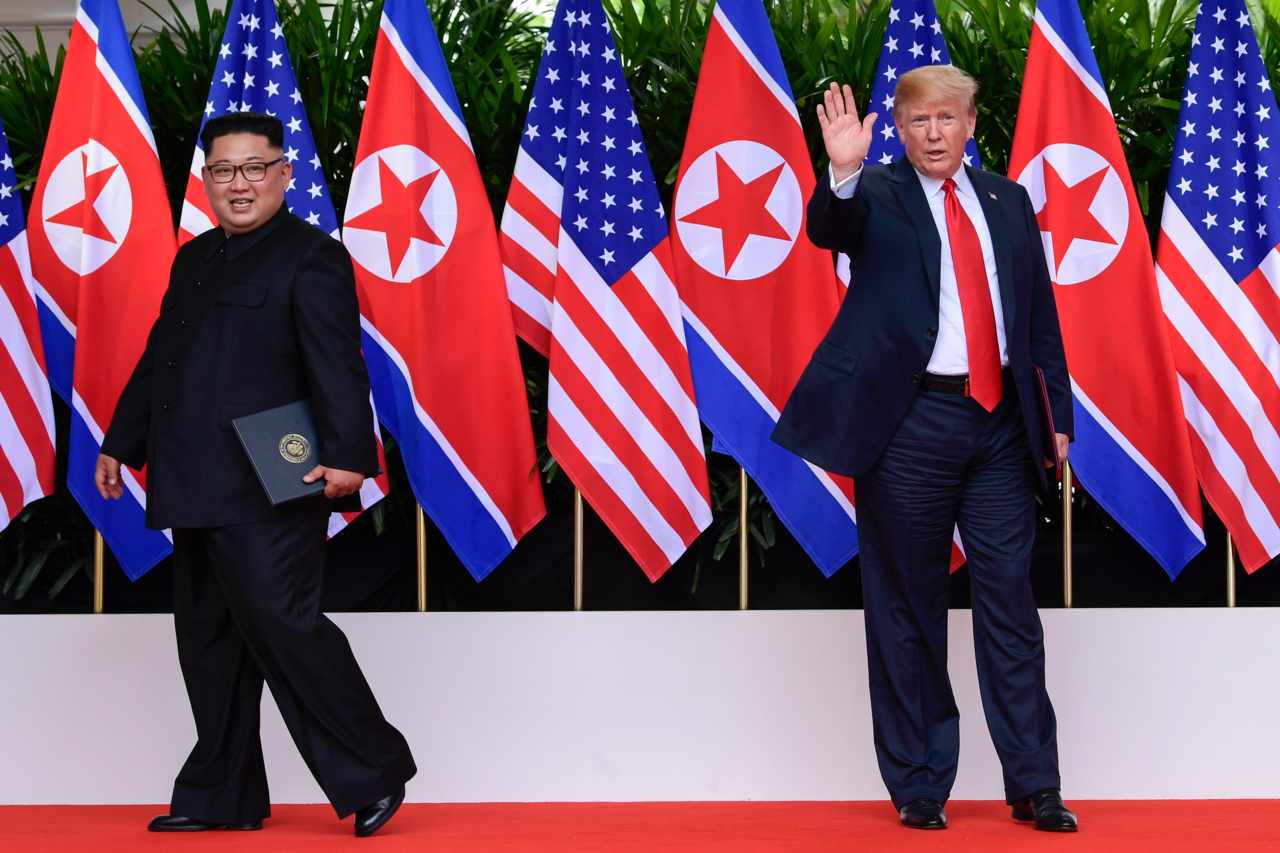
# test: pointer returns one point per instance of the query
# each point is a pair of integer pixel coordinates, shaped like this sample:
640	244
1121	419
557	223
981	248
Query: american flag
254	74
26	406
1218	270
588	267
912	38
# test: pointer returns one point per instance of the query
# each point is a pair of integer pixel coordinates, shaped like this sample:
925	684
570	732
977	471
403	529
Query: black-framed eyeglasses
225	173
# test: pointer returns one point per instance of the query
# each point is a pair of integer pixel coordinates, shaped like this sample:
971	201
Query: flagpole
99	559
422	559
1231	573
743	574
577	549
1066	536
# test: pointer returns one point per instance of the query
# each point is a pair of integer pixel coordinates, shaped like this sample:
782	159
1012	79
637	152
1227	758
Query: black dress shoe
178	823
923	814
1046	809
371	818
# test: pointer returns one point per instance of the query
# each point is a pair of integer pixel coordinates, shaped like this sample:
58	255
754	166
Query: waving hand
846	138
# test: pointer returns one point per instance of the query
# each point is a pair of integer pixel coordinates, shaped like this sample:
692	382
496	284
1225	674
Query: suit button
197	284
184	324
171	363
915	380
164	407
931	333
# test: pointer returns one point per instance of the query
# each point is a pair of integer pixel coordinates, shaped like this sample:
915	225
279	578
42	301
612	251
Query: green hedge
493	49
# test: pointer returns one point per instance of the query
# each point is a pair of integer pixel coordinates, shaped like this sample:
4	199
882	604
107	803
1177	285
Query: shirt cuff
845	188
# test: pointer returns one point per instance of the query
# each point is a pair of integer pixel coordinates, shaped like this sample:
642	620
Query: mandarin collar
236	245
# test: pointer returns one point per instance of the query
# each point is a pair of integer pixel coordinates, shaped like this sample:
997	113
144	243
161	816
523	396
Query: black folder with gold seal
282	448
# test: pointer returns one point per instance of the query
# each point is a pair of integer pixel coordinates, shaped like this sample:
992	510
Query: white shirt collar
933	186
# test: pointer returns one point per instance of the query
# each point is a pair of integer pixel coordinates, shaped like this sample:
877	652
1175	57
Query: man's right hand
846	138
107	477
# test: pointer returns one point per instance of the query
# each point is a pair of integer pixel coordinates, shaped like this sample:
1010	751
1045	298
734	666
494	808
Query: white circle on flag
783	209
86	232
1084	259
405	170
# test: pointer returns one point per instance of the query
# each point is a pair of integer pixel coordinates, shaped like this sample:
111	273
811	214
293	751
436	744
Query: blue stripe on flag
113	44
122	522
59	351
465	522
752	23
413	23
742	428
1065	19
1129	496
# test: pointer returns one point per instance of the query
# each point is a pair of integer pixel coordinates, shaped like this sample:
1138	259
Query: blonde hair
930	82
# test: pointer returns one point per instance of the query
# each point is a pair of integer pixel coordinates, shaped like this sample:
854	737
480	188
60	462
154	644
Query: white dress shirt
950	355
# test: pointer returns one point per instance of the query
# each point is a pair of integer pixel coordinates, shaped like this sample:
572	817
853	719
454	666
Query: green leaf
74	567
30	573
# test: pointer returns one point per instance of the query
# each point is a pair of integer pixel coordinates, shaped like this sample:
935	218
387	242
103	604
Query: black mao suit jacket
865	373
248	323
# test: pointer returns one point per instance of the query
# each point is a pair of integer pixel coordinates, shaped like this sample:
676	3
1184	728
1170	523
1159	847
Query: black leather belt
953	384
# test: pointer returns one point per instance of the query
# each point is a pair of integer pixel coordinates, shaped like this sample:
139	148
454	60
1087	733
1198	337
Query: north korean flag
438	335
101	244
1131	450
757	295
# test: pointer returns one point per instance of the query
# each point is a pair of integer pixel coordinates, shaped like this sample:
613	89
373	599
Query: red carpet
1166	826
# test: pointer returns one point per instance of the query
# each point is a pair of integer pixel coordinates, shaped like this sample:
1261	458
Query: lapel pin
993	196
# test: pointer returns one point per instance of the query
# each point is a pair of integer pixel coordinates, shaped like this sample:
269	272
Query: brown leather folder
1046	411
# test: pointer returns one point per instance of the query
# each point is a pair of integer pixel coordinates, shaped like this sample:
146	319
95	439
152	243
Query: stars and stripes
253	74
912	38
1218	268
26	408
588	270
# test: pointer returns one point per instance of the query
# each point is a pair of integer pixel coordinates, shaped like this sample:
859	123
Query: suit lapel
911	196
1001	244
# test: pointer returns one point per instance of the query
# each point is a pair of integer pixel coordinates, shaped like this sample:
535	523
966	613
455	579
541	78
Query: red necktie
975	303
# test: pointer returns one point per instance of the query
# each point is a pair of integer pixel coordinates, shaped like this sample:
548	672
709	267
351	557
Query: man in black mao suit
259	312
924	390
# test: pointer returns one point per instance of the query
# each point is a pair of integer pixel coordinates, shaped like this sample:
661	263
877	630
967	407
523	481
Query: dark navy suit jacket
866	371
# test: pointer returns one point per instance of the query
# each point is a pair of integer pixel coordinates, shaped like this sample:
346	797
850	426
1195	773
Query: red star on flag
740	209
1066	214
399	216
82	214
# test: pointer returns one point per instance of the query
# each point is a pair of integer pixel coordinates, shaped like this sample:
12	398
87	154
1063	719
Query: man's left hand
337	483
1060	442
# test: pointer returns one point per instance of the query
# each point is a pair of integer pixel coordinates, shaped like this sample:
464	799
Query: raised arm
833	219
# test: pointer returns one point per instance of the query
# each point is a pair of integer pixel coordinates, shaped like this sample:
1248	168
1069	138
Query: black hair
259	124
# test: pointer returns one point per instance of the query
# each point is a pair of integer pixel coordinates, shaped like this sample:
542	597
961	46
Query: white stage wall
634	706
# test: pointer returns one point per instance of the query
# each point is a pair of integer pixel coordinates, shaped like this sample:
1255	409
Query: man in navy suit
925	391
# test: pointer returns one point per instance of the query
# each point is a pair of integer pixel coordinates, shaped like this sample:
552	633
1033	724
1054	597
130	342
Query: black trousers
953	462
247	608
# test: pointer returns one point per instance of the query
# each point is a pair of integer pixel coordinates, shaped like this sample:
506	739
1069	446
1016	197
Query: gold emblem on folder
295	448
